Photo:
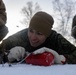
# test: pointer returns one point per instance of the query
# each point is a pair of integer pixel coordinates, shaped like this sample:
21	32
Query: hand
16	53
59	59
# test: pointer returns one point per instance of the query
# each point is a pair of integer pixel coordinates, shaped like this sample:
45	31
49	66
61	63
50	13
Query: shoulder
55	36
19	35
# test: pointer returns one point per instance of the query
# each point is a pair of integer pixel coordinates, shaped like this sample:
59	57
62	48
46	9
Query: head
40	28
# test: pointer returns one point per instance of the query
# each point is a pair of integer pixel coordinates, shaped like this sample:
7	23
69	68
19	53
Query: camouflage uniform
3	19
55	41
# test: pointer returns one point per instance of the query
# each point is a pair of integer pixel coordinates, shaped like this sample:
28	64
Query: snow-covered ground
26	69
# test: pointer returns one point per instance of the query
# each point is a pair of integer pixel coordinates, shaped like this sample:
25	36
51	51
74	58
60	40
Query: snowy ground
24	69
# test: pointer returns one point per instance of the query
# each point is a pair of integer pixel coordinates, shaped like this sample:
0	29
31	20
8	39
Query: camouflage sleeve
71	58
10	42
67	49
3	15
16	39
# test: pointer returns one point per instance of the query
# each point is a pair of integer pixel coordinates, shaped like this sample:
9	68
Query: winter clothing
55	41
3	19
74	21
3	16
3	32
42	22
73	31
16	53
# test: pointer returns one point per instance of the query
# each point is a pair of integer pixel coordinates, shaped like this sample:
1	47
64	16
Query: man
37	36
3	19
73	31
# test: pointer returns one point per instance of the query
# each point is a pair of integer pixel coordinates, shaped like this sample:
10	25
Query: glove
58	59
16	53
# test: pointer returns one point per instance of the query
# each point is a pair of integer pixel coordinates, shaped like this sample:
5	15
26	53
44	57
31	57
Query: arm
3	15
67	49
3	19
16	39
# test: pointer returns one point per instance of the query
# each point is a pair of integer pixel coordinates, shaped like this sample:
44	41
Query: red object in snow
44	59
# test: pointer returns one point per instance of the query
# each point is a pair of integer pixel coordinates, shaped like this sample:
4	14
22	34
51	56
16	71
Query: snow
27	69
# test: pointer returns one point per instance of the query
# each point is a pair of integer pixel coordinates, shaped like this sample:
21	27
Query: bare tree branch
64	11
28	11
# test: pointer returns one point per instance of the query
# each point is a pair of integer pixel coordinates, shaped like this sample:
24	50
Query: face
36	38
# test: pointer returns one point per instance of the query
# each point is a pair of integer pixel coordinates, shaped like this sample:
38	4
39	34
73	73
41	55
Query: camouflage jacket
55	41
3	15
3	19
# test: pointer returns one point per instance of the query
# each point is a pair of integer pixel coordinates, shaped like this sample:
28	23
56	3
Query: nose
34	37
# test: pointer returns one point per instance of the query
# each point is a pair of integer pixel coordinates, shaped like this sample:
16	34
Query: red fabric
44	59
